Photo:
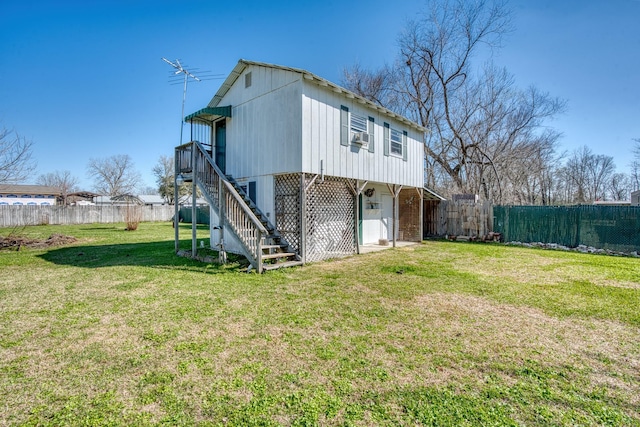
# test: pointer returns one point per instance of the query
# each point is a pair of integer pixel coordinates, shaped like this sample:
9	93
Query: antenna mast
181	70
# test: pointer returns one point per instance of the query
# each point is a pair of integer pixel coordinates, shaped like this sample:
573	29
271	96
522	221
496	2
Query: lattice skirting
287	203
330	219
329	215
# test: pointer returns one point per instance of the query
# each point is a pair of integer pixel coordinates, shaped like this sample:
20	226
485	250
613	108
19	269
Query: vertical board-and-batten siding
321	131
264	134
284	123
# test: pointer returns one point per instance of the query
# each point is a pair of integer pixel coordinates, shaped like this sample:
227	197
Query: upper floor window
358	123
356	129
396	142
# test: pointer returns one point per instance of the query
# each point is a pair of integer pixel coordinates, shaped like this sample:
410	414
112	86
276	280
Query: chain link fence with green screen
604	227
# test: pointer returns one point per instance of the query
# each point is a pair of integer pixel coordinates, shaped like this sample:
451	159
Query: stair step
273	246
278	255
267	267
273	259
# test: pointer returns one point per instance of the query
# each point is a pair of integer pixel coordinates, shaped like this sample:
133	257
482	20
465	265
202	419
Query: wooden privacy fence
17	216
457	218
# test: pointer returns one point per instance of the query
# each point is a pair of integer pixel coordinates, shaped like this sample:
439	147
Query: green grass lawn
117	330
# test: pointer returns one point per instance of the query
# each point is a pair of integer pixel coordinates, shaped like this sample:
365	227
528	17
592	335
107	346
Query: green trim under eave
210	113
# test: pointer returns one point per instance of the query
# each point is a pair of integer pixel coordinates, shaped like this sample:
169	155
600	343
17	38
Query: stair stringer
228	227
273	231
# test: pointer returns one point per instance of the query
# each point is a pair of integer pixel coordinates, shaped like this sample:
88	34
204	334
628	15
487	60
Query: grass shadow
144	254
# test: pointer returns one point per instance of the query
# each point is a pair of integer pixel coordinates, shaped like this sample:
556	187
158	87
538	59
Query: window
396	142
247	80
344	125
351	123
358	123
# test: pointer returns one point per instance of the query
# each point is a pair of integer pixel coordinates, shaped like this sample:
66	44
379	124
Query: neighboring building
152	200
117	200
142	200
82	198
28	195
321	169
465	198
635	198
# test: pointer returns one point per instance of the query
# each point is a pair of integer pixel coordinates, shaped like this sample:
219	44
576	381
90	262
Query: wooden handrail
237	212
259	225
230	187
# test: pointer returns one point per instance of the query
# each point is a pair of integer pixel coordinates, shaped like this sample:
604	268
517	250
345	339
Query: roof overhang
209	114
84	194
310	77
429	194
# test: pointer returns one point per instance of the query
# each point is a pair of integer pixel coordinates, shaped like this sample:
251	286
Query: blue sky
85	79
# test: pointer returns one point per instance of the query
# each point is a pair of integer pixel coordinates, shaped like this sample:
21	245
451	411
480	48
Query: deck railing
195	163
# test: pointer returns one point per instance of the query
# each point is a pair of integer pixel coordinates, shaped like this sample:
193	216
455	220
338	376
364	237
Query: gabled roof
84	194
152	199
243	64
28	189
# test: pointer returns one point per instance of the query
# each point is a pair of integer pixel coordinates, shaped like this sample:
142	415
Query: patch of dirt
17	242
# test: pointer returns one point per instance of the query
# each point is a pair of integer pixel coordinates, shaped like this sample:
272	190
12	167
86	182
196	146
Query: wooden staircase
277	253
263	245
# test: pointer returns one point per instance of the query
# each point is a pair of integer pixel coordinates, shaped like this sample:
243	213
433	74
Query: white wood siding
285	123
264	133
321	142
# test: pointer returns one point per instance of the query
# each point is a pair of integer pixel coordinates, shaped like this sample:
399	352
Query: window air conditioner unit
361	138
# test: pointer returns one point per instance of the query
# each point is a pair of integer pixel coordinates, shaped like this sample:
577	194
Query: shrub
132	217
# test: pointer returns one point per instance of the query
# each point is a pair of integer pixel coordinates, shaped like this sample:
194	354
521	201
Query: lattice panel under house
330	219
287	198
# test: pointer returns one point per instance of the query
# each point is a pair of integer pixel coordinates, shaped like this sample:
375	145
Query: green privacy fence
605	227
202	214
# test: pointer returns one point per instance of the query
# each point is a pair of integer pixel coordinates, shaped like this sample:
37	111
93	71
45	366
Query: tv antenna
181	70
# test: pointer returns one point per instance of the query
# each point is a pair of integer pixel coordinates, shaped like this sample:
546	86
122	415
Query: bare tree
16	162
619	186
479	123
587	176
373	85
601	171
62	180
149	189
635	166
113	176
530	172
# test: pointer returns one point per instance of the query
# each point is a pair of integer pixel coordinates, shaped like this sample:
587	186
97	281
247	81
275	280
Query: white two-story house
298	169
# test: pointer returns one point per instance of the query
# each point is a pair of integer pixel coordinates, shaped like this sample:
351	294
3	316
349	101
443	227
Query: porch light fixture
179	180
